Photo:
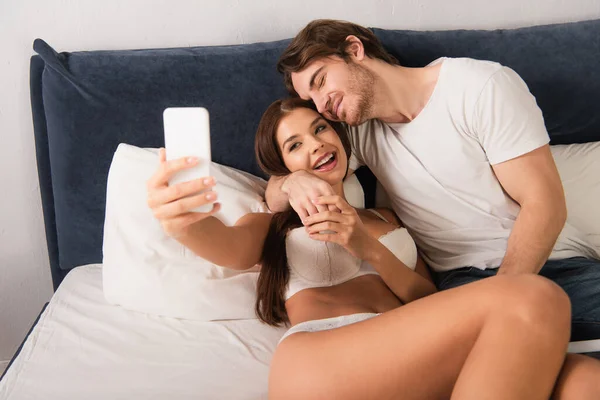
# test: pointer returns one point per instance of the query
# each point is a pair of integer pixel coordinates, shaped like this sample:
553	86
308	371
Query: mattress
83	347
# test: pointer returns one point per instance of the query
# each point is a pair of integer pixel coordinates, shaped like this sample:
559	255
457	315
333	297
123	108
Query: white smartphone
187	134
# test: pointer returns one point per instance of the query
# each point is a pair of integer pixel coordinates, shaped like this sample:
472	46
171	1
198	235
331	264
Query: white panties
327	323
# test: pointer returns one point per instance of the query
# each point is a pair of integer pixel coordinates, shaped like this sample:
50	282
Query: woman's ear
355	48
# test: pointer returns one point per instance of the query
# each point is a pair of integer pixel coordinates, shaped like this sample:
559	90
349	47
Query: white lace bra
315	263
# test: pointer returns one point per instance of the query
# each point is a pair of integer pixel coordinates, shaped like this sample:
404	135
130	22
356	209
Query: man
460	147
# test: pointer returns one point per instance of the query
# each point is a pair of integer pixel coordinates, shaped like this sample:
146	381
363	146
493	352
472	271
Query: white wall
69	25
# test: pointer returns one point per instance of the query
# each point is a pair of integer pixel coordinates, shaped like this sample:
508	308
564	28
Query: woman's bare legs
579	379
504	337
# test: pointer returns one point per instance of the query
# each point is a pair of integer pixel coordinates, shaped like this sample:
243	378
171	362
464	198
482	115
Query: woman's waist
365	294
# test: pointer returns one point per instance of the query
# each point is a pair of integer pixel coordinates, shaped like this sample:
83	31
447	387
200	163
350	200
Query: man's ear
355	48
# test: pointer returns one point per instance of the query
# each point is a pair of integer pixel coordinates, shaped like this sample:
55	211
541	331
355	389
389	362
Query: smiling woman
292	129
310	143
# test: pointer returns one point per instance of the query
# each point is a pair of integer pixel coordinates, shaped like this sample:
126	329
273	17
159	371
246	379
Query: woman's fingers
178	225
172	205
333	227
167	169
325	216
169	194
184	205
326	237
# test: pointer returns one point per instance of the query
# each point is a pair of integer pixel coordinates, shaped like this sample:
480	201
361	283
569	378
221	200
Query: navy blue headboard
85	103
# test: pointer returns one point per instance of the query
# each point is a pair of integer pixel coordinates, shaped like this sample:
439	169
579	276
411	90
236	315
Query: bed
85	104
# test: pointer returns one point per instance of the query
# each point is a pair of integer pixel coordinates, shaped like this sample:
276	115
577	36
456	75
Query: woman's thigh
413	352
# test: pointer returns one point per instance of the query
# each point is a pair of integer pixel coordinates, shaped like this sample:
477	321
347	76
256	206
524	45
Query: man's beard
362	84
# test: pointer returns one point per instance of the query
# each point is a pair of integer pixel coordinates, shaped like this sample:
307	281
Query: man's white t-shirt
437	170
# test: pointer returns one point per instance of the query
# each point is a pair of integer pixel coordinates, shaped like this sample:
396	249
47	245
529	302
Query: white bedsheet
84	348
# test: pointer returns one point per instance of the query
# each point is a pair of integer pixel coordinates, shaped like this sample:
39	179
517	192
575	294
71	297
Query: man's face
341	91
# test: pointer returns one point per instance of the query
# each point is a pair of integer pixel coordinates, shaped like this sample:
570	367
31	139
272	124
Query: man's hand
303	190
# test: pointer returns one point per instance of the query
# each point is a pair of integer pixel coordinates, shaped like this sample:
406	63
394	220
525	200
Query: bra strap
377	213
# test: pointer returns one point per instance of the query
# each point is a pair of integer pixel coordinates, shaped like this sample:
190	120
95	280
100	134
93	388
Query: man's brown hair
325	38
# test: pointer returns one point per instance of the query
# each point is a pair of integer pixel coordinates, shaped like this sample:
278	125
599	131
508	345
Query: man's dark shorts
578	276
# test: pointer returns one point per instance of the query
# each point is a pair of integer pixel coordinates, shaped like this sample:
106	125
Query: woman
347	284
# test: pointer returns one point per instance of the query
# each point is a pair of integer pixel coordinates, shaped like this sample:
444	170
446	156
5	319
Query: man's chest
433	156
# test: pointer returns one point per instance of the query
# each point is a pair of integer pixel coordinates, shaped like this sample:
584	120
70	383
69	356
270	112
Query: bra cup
343	265
315	261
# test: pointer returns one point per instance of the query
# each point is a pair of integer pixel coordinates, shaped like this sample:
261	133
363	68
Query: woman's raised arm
237	247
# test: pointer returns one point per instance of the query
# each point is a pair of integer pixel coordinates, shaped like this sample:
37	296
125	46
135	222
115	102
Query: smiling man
461	148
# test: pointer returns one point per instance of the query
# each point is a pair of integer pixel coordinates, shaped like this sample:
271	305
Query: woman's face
308	142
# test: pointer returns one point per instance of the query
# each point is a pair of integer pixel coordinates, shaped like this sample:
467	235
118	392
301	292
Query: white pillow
147	271
579	169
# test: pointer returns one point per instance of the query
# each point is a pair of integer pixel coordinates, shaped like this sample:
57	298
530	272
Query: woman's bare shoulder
389	215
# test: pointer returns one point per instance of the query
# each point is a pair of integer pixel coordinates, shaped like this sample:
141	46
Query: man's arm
298	190
532	180
276	199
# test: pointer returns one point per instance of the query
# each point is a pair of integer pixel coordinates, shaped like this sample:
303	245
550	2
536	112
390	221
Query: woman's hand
171	204
345	228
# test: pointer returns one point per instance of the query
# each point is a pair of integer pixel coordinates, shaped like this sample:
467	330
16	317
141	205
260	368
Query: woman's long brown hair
275	274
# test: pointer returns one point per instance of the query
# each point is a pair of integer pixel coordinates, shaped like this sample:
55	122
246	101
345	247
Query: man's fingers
333	207
301	211
301	187
321	208
311	209
336	201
